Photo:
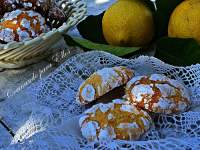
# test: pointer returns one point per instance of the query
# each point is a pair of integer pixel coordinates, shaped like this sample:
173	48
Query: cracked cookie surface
116	120
20	25
158	93
103	81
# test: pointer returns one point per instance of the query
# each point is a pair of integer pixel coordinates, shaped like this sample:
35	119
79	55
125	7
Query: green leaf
86	44
176	51
150	4
91	29
162	15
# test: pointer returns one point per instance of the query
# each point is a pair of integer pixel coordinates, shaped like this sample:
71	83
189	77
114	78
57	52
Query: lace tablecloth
46	115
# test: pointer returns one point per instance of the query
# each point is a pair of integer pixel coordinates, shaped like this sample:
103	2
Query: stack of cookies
128	117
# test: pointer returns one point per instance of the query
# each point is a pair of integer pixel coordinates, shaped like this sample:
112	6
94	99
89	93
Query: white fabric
96	7
49	120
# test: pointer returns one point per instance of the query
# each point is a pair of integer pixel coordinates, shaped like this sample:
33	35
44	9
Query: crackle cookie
43	5
158	93
56	17
6	6
101	82
116	120
20	25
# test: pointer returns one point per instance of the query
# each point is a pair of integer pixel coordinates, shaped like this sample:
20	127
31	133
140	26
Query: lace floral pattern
52	113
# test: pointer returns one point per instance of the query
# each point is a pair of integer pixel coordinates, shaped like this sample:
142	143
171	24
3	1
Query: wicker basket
19	54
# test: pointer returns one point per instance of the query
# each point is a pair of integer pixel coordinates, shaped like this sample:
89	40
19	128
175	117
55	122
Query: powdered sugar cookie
20	25
103	81
42	5
56	17
6	6
158	93
116	120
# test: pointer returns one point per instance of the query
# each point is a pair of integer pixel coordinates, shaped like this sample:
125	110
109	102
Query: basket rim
79	4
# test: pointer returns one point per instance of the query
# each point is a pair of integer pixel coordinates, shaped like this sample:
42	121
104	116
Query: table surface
13	84
14	81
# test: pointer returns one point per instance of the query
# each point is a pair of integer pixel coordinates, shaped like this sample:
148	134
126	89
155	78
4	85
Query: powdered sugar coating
129	108
103	81
134	80
7	34
89	130
158	93
104	108
107	133
119	101
127	125
88	92
20	25
25	23
118	120
110	116
23	35
82	119
144	89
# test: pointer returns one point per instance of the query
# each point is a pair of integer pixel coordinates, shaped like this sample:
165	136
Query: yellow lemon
128	23
185	20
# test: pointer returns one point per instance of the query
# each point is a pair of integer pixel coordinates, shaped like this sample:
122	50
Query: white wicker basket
19	54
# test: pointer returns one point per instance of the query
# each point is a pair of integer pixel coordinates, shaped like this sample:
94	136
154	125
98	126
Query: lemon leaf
91	28
176	51
88	45
150	4
162	15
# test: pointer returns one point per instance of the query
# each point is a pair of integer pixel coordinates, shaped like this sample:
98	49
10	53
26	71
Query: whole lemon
185	20
128	23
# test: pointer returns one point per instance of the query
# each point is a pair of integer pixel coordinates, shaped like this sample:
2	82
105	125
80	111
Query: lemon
128	23
185	20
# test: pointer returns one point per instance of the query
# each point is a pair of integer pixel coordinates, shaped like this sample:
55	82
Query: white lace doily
49	120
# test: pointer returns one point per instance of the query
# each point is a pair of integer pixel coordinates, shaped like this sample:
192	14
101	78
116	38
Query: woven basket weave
19	54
